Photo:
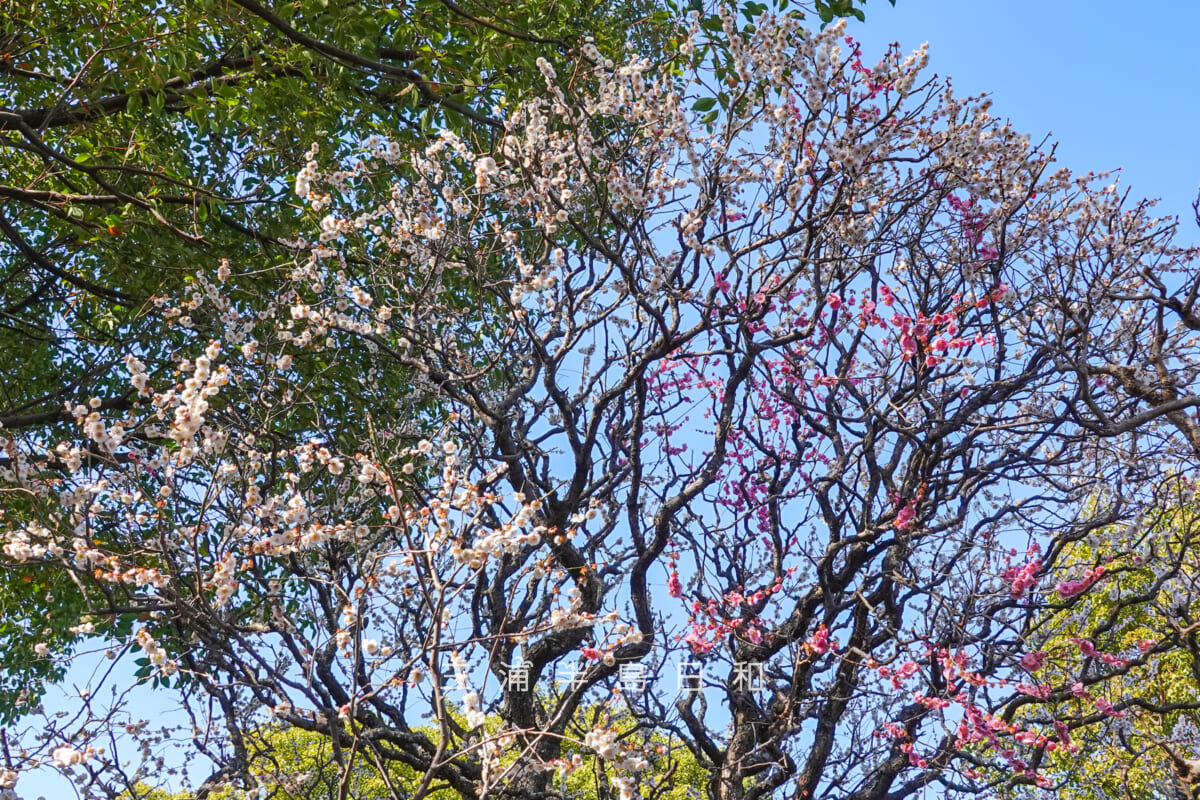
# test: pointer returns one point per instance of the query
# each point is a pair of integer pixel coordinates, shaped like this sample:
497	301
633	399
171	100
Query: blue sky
1116	86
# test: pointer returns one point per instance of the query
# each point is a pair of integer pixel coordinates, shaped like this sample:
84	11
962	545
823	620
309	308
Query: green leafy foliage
293	763
1134	623
141	141
828	10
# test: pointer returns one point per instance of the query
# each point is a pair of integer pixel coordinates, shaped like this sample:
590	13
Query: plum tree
786	384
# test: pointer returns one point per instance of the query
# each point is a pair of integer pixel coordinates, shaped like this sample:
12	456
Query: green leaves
752	10
37	606
165	139
828	10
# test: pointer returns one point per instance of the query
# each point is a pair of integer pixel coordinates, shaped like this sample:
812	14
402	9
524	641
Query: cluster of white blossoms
333	227
546	156
110	568
189	402
626	787
318	321
472	705
34	541
485	169
138	377
383	149
68	756
369	472
154	652
31	542
17	469
108	437
224	580
607	744
507	539
314	452
288	540
307	176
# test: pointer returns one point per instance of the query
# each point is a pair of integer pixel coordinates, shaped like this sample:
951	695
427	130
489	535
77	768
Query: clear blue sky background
1117	84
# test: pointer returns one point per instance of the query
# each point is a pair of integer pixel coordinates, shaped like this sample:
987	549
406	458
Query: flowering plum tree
139	142
775	430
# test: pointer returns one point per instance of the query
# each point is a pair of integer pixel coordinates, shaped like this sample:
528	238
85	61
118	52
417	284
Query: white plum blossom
67	756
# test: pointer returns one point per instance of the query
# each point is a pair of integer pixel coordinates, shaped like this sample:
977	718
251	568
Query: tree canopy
747	399
140	141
